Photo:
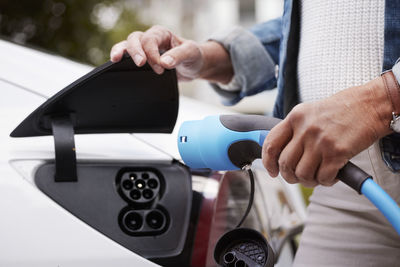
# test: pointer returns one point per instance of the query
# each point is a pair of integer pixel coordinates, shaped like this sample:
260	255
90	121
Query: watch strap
393	90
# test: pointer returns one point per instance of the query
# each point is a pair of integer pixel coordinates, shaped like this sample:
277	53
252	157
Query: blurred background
85	31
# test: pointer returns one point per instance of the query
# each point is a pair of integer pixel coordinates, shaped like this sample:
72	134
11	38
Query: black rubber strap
63	132
353	176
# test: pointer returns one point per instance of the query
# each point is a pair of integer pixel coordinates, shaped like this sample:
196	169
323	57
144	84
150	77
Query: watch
393	92
395	123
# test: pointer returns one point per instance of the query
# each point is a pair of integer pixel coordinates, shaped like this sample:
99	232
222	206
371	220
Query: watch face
395	124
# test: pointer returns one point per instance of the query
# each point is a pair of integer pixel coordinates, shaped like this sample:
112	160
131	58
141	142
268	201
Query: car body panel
36	231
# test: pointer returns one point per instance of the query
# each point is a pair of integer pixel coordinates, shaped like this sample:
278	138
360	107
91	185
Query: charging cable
251	196
383	202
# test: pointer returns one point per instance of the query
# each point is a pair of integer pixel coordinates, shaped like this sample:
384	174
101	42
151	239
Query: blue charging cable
383	202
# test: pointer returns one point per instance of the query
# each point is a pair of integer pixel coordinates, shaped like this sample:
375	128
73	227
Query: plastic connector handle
350	174
221	142
353	176
229	142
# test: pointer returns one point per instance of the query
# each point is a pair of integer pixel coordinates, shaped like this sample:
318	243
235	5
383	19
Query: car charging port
143	222
152	183
142	190
139	187
148	194
132	176
127	184
155	219
135	194
140	184
132	221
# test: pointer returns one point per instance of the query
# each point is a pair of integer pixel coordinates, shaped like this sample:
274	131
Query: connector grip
353	176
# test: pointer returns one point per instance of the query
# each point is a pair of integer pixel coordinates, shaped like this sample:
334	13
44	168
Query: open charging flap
113	98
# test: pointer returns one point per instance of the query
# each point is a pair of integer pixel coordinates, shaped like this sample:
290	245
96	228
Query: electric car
91	174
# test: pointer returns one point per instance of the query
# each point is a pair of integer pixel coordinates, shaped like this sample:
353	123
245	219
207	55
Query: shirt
265	57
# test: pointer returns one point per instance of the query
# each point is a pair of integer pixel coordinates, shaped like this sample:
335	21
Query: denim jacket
256	53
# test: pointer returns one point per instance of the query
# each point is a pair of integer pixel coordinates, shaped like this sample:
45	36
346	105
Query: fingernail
138	59
167	60
157	68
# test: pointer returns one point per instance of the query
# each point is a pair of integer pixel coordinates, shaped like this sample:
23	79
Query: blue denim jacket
255	55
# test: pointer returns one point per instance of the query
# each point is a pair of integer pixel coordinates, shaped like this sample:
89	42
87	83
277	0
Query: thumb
188	51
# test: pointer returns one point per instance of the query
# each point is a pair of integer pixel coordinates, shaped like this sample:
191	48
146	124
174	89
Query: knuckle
298	108
333	150
160	31
283	165
270	150
148	39
301	114
191	44
158	27
303	175
314	130
134	35
340	150
297	113
327	142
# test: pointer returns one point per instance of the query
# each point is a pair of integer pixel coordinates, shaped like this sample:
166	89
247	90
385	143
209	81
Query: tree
80	30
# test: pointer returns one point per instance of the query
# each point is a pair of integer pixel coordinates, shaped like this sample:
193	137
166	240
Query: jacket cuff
396	70
252	65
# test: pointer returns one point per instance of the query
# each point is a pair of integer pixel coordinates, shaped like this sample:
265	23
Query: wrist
379	101
217	65
393	91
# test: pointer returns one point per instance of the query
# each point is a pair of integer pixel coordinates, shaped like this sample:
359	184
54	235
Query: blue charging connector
205	143
229	142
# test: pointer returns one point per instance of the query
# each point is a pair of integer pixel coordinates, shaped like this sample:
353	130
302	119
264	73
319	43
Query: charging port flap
113	98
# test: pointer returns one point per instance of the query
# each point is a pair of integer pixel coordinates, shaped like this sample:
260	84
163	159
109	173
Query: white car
109	188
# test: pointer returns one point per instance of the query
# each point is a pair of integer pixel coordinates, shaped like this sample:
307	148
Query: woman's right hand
190	59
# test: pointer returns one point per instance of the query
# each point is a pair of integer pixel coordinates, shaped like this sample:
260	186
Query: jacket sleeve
255	55
396	70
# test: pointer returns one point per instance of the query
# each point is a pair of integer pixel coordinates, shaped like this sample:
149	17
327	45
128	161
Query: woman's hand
192	60
317	139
